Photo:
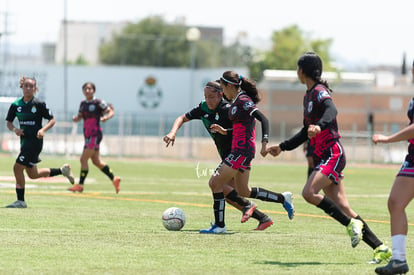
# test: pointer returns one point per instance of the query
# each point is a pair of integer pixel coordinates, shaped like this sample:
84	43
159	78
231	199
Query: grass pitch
100	232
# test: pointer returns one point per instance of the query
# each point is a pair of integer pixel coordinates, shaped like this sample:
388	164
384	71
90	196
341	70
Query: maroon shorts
92	142
407	169
333	163
238	162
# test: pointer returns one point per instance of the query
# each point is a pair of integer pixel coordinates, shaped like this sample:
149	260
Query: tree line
156	43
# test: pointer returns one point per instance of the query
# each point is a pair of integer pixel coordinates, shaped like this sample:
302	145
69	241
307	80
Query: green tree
153	42
150	42
287	45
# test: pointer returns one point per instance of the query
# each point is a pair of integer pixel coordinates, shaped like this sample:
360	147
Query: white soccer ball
173	218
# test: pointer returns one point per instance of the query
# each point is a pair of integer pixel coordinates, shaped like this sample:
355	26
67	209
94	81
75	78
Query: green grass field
100	232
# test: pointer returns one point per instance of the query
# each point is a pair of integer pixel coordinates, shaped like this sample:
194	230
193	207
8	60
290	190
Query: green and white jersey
30	115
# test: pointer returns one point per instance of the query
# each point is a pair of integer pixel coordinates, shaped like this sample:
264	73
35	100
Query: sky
364	32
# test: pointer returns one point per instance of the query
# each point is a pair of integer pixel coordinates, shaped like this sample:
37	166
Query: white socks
398	247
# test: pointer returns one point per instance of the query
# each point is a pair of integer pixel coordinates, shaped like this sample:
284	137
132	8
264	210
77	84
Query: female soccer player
93	111
214	111
243	113
30	111
320	126
401	194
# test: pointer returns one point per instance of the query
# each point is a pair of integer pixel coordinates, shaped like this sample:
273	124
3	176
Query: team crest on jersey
217	116
205	115
33	109
323	94
310	106
233	110
248	105
91	108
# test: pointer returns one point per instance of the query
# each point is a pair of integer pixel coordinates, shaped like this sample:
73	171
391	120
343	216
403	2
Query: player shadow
295	264
198	231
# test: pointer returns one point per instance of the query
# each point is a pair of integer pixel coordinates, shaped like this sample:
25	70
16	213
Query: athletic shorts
407	169
29	156
333	163
92	142
309	149
238	162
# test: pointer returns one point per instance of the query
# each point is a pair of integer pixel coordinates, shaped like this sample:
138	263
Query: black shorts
29	155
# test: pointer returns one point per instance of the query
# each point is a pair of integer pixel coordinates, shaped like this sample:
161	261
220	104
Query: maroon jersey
313	110
91	113
410	114
240	114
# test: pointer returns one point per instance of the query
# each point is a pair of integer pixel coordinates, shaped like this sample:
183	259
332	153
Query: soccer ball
173	218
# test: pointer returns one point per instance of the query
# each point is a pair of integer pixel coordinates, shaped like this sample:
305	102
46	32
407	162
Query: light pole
193	35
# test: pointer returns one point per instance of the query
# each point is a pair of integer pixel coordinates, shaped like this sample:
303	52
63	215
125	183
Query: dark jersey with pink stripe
313	110
410	114
240	114
91	113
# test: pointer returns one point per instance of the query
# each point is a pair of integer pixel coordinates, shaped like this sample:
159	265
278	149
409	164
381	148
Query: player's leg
402	192
87	153
336	192
18	170
223	175
97	161
238	202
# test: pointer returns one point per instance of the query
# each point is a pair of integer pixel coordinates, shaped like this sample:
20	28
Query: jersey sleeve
195	113
11	114
249	107
45	111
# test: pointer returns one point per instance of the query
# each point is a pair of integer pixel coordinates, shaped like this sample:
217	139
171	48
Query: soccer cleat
354	229
381	253
264	223
76	188
393	267
288	204
214	229
17	204
117	182
67	172
248	211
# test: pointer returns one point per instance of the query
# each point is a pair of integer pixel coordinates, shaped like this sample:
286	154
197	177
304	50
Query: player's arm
17	131
77	118
265	130
109	113
44	129
170	137
295	141
216	128
405	134
328	116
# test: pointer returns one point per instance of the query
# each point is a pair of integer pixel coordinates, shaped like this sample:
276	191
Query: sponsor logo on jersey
27	122
248	105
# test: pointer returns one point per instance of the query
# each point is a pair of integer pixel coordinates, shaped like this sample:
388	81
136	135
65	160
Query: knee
307	195
32	175
394	204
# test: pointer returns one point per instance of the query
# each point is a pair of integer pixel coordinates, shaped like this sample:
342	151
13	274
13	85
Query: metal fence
139	135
